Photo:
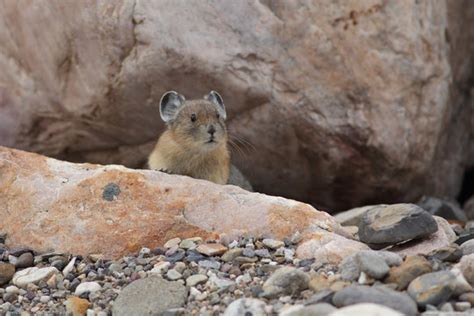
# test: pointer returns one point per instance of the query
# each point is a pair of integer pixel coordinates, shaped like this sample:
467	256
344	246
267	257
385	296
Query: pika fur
195	141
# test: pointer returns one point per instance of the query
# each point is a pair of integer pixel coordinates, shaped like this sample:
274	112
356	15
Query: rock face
84	208
330	109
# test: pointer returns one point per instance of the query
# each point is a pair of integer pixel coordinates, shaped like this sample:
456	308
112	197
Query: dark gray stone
391	224
355	294
25	260
150	296
443	208
111	191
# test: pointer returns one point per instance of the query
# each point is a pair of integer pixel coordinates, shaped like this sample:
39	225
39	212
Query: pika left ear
216	99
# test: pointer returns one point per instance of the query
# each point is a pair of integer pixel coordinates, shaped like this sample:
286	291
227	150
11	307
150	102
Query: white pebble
90	287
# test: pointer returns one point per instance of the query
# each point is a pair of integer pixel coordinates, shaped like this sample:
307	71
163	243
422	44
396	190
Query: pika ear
170	103
216	99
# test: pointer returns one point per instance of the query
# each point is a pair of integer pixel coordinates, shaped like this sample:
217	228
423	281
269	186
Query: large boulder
344	103
47	205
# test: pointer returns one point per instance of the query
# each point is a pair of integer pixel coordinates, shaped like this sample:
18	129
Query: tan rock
410	269
343	101
111	210
466	265
211	249
76	305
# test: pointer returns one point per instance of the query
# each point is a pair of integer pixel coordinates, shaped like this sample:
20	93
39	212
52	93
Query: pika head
195	124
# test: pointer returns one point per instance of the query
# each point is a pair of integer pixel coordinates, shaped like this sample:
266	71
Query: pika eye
217	115
193	117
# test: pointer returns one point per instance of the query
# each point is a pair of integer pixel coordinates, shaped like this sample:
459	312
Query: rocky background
336	103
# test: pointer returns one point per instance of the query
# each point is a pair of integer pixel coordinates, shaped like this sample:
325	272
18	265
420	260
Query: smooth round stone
246	306
272	243
150	296
231	254
7	271
366	309
391	224
451	253
286	280
372	264
321	309
173	275
467	247
443	208
196	279
90	287
355	294
432	288
25	260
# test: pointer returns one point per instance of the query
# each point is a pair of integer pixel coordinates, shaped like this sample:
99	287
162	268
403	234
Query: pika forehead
203	109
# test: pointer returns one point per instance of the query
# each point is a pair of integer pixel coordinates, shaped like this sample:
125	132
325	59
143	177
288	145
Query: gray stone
378	295
286	280
196	279
467	247
231	254
33	275
246	306
173	275
391	224
391	258
150	296
209	264
349	269
372	264
432	288
90	287
443	208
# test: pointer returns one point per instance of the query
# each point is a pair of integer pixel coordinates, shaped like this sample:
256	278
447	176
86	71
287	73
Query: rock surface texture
365	104
112	210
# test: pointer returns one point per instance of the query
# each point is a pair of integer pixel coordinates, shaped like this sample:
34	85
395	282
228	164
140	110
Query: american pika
195	141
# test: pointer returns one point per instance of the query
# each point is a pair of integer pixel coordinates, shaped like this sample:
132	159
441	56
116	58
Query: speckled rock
7	271
246	306
157	200
33	275
432	288
410	269
140	297
286	280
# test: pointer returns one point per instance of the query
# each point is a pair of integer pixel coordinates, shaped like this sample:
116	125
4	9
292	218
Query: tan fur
178	152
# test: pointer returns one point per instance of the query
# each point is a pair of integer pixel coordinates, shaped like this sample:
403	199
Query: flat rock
246	306
211	249
432	288
33	275
272	243
149	208
7	271
366	309
443	237
353	216
286	280
141	297
355	294
391	224
196	279
410	269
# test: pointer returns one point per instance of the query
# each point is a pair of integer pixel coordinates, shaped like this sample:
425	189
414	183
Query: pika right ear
170	103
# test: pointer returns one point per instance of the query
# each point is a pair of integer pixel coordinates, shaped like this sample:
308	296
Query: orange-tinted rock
76	305
410	269
112	210
344	102
211	249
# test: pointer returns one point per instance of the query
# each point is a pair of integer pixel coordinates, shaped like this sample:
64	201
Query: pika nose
211	130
